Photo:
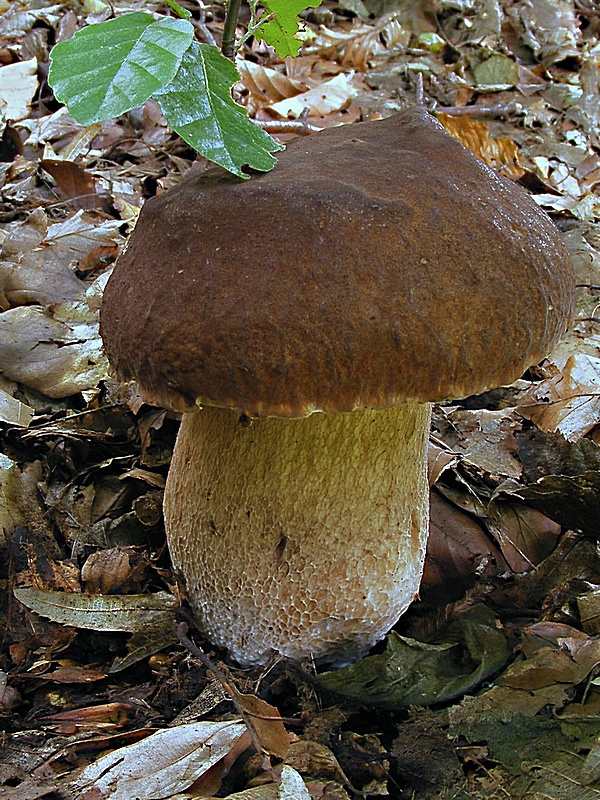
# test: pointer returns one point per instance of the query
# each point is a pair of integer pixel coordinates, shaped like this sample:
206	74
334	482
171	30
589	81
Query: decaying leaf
167	762
485	438
525	536
128	613
414	673
14	411
152	637
518	720
589	609
549	27
458	548
20	501
73	181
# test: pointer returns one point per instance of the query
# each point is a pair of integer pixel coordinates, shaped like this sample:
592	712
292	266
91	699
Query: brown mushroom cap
378	262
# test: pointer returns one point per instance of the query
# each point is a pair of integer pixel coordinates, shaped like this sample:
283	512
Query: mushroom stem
304	538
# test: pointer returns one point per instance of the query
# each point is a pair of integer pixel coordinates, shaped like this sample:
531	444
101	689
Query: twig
231	690
498	110
300	125
420	94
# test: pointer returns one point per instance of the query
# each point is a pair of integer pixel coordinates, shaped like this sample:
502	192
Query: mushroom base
300	538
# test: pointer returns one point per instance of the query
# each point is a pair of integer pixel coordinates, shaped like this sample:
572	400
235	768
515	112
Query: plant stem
231	18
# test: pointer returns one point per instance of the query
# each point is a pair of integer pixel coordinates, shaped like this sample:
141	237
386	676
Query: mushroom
304	321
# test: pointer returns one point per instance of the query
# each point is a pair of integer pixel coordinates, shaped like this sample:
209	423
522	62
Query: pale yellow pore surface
304	538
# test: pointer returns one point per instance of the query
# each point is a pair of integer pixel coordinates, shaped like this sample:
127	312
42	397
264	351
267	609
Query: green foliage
197	104
109	68
282	31
412	673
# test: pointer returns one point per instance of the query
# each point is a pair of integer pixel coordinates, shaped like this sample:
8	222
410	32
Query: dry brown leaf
270	85
266	723
589	610
67	673
456	549
333	95
569	401
163	764
118	570
474	134
104	717
74	182
525	536
483	438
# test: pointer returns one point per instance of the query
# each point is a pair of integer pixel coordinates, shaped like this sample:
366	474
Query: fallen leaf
18	84
128	613
13	411
474	134
333	95
415	673
162	764
569	401
74	182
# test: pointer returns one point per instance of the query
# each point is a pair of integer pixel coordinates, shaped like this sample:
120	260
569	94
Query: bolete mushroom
304	321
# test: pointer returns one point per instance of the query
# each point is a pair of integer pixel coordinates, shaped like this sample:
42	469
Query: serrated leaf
128	613
282	31
114	66
198	105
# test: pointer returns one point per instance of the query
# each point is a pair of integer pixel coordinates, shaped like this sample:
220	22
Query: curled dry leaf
167	762
569	401
502	154
359	44
270	85
333	95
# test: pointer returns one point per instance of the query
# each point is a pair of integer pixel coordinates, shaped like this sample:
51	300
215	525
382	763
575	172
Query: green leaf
282	32
112	67
412	673
198	105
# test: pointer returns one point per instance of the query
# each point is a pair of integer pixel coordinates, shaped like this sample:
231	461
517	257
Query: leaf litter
489	686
